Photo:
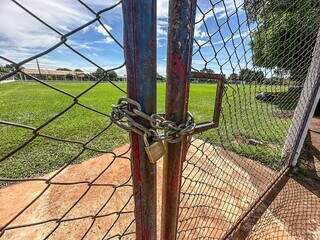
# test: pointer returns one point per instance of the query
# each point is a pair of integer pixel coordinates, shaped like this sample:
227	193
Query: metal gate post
180	39
140	54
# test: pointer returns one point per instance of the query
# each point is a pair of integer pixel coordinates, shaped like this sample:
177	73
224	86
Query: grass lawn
30	103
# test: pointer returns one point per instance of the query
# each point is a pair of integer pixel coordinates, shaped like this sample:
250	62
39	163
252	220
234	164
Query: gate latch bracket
220	79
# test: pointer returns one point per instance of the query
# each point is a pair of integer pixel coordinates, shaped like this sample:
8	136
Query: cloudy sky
22	36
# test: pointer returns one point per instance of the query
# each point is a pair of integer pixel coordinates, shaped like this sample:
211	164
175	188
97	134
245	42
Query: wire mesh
90	200
264	50
289	213
265	59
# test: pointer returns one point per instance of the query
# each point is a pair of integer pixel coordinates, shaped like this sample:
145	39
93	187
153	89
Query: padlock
155	151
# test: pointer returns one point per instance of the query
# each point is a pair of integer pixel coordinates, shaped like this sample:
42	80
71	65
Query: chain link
124	115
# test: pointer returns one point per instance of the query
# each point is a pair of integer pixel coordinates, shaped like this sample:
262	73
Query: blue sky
22	36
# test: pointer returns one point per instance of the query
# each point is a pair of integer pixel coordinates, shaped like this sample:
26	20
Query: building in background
46	74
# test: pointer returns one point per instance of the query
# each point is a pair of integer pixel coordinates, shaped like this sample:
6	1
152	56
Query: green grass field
32	104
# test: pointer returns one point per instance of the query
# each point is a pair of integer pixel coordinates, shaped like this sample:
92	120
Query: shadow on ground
292	209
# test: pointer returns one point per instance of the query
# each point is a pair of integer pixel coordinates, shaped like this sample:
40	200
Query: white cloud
82	45
162	8
198	33
162	25
231	5
162	32
101	29
98	5
205	43
23	35
162	22
162	68
202	43
220	10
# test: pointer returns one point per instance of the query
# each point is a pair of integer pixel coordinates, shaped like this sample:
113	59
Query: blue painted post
140	54
180	40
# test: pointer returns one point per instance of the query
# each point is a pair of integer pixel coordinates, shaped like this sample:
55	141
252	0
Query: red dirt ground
294	214
57	199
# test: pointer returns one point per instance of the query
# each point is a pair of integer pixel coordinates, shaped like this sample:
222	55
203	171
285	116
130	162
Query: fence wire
227	170
264	50
91	200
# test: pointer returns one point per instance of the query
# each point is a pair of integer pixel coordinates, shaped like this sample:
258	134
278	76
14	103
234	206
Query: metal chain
124	114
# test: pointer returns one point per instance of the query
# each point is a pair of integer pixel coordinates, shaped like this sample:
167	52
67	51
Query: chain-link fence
47	191
264	50
66	168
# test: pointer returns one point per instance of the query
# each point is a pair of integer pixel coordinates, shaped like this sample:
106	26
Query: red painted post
180	40
140	54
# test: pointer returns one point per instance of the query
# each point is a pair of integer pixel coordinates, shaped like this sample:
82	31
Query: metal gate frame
179	56
140	54
180	43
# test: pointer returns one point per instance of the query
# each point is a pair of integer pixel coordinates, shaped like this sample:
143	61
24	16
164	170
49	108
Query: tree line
286	34
244	76
256	77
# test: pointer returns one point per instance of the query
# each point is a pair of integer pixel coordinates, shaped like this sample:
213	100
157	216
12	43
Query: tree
63	69
6	68
205	80
78	70
112	75
3	69
286	34
233	77
274	81
160	77
207	70
248	75
9	66
280	73
69	77
100	73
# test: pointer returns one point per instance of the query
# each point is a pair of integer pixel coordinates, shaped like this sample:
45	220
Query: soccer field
32	104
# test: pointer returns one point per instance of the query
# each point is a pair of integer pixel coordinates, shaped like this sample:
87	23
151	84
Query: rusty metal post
140	54
180	40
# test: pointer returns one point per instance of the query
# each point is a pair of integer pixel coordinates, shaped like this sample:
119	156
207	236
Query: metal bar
179	55
252	206
248	223
201	127
213	76
140	54
306	123
38	66
218	102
